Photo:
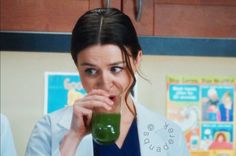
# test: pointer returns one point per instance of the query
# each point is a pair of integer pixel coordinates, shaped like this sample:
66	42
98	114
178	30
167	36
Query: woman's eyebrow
93	65
87	64
117	63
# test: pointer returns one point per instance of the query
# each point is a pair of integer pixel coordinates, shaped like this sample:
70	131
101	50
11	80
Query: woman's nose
105	81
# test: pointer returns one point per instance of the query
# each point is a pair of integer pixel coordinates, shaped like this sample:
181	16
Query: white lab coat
7	141
157	135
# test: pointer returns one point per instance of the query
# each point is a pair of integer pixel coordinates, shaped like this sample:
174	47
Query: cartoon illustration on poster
61	90
204	109
217	103
217	136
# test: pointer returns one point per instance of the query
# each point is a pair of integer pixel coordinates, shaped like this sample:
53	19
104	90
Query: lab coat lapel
149	132
65	118
85	147
60	123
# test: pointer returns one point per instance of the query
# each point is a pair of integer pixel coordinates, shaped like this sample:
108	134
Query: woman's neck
127	117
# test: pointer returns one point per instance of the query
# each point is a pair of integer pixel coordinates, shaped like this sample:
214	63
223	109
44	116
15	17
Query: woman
221	142
107	53
226	107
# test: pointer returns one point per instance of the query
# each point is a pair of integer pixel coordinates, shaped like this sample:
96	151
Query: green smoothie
105	127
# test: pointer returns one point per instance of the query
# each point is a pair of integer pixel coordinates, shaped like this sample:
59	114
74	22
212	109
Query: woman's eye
116	69
90	71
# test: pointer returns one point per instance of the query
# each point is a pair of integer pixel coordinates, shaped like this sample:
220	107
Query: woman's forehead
101	53
108	49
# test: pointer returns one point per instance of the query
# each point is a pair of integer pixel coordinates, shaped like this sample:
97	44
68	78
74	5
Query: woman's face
102	67
220	138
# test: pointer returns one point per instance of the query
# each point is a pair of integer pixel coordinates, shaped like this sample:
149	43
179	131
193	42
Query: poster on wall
61	90
204	108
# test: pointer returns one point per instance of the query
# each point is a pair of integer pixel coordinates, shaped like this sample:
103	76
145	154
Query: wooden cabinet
180	18
42	15
145	25
195	18
61	15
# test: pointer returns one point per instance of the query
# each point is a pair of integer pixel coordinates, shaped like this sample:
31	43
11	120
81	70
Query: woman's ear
138	59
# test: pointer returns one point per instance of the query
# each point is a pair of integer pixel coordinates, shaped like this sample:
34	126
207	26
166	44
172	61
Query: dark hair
220	134
106	26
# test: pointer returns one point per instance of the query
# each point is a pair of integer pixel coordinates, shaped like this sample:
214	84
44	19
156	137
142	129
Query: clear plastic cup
105	127
106	124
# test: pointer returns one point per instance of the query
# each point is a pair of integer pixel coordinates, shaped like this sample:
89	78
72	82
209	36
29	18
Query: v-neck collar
132	129
127	136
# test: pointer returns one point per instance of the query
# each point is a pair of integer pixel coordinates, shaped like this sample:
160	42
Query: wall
22	83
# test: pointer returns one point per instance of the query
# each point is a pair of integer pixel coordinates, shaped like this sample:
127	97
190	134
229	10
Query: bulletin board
204	108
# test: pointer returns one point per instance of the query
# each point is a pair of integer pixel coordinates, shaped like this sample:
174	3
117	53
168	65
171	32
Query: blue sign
184	93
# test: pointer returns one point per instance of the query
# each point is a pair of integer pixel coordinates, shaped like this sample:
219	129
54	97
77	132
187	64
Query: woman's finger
98	92
86	114
95	104
104	99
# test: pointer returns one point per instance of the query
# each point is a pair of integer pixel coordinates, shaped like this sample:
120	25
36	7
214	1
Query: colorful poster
204	108
61	90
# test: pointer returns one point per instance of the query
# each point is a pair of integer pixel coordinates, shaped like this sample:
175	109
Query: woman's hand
81	119
83	108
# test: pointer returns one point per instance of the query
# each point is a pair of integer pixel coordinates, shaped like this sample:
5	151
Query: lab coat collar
66	118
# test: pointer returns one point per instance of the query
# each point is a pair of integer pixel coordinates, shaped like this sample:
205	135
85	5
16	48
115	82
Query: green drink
105	127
